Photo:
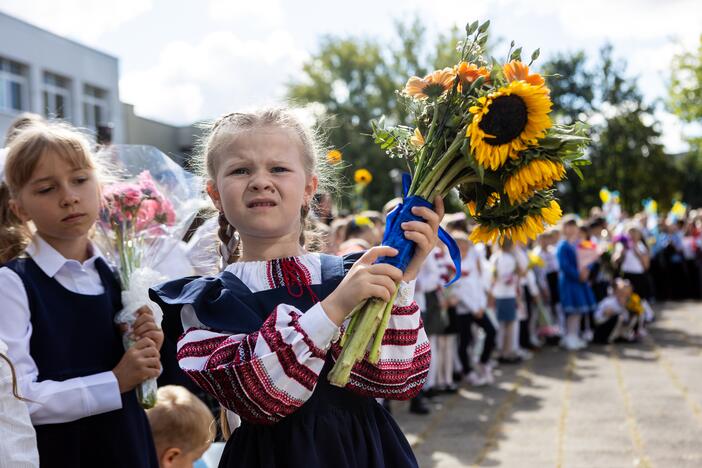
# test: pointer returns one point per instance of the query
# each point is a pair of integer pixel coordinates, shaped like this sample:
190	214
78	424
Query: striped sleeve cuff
405	294
318	326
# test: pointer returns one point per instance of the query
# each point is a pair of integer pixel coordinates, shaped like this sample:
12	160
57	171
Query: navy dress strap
74	335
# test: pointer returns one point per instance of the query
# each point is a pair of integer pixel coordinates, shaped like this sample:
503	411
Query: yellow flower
634	304
484	234
431	86
535	260
469	72
417	139
471	207
529	228
362	177
508	121
518	71
334	156
552	213
363	221
538	174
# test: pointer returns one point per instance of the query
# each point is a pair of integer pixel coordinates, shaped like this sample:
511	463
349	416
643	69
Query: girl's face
62	201
634	235
261	183
570	231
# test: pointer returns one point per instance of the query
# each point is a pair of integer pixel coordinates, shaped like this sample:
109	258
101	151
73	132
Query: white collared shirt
53	401
18	448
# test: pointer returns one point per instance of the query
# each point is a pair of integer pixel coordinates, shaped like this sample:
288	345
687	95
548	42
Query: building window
95	109
14	90
56	93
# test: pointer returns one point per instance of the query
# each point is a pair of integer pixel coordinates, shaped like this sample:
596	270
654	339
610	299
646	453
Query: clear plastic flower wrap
145	214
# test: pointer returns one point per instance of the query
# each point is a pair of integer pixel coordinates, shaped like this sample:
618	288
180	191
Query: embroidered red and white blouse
266	375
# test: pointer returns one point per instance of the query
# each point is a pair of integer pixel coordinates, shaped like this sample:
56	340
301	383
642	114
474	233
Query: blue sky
186	60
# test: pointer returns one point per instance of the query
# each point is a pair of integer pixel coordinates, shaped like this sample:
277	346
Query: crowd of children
67	387
586	281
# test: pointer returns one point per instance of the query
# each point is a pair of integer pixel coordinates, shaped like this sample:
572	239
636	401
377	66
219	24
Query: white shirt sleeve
19	445
52	401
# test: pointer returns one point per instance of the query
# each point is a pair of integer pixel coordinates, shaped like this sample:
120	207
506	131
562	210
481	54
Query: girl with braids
262	335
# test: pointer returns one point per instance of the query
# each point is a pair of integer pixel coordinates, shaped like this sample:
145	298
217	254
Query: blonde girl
262	335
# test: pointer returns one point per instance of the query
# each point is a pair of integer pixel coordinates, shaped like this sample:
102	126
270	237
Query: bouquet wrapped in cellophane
142	220
482	127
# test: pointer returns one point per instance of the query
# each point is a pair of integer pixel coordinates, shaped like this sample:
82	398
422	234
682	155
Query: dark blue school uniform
74	335
576	296
334	428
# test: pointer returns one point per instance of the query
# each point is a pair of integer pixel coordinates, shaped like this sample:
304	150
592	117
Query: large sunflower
537	174
431	86
507	121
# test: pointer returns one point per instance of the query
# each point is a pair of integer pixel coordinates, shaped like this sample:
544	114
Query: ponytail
14	233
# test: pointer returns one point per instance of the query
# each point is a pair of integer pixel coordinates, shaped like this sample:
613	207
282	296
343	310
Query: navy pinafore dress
74	335
335	428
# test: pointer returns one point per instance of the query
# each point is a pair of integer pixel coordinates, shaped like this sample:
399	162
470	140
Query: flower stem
355	348
448	177
420	168
352	323
374	355
426	187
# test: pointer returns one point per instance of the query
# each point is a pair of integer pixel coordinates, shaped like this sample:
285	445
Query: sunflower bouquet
481	127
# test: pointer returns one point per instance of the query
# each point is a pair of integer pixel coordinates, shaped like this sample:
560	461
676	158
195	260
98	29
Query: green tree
685	86
625	152
685	101
355	81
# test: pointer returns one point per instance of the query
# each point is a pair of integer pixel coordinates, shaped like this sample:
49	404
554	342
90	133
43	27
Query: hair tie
226	250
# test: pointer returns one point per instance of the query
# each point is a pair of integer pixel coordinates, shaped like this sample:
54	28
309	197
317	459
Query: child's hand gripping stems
371	317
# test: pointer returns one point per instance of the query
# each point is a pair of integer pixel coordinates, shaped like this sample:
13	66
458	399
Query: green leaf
535	54
471	27
484	27
517	54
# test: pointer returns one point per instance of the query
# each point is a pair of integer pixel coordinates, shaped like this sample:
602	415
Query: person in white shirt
634	259
429	282
58	306
469	297
19	444
505	288
613	321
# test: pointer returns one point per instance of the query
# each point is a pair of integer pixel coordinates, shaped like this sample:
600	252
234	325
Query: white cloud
673	132
266	12
219	74
628	19
84	20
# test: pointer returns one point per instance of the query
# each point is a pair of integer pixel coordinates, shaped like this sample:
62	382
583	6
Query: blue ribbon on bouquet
394	235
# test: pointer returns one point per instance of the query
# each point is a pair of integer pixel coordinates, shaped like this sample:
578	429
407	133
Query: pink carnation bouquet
142	219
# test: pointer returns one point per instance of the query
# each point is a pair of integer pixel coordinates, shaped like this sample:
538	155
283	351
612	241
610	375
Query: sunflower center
506	119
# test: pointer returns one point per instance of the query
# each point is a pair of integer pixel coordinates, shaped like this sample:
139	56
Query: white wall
42	51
